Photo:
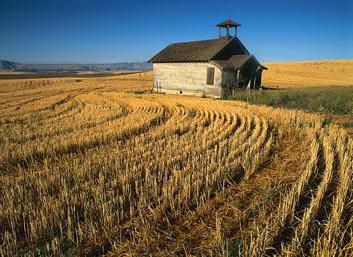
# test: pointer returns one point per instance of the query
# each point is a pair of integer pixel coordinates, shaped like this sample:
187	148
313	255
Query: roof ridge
196	41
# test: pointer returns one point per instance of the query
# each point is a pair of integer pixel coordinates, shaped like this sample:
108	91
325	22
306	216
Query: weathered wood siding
229	82
187	78
229	78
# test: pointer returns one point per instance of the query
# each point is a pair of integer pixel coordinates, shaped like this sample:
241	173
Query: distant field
100	166
310	73
281	74
11	72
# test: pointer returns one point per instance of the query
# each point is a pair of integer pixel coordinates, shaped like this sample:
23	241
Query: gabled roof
236	61
224	52
194	51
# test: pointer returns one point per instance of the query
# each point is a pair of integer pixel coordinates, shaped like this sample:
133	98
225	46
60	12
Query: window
210	76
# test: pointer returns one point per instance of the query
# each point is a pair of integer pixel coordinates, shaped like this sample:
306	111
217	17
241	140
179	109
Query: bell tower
227	24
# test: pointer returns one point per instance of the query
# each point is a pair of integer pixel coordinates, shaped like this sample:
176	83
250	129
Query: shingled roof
194	51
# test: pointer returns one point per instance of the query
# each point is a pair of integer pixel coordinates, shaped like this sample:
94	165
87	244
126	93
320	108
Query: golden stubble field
90	168
309	73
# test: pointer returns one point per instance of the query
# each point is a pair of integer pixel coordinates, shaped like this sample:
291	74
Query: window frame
210	76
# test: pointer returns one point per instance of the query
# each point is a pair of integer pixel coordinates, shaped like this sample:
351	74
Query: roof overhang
228	23
235	62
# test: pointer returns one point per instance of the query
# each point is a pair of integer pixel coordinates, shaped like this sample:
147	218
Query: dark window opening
210	76
180	92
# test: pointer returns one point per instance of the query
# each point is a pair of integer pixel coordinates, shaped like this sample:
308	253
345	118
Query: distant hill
6	65
131	66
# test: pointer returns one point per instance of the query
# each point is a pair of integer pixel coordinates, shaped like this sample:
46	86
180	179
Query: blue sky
93	31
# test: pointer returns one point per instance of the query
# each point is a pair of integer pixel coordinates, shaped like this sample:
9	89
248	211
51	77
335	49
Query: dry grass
90	168
310	73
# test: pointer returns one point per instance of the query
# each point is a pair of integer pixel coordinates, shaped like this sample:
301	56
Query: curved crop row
92	168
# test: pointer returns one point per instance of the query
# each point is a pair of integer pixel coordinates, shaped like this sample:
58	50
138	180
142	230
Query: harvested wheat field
92	167
309	73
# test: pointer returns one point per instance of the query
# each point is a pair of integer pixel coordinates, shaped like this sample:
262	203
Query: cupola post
227	24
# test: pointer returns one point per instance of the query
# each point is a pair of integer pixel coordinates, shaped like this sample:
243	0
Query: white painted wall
190	78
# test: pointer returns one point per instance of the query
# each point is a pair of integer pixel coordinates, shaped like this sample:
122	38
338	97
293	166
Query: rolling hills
133	66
